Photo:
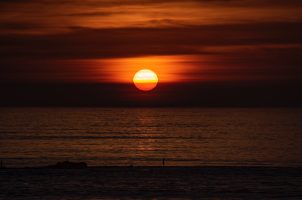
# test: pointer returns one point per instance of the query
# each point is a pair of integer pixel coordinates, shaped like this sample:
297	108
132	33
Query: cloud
81	42
242	37
18	26
234	51
56	16
95	13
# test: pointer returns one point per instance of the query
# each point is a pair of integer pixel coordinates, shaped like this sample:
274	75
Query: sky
205	53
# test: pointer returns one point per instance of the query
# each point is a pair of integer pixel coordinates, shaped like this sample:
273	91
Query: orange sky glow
182	41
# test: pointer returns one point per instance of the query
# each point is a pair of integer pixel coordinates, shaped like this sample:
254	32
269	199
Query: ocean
209	153
145	136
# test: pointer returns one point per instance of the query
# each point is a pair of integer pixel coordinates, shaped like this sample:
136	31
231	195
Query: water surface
144	136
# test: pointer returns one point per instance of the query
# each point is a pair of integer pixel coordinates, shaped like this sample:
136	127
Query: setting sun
145	80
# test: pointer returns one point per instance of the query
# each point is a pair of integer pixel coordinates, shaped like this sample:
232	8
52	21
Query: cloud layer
229	39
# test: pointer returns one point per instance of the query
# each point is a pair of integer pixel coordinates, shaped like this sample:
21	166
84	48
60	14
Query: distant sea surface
145	136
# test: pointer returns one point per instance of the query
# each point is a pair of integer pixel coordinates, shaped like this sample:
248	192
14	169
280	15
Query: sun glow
145	80
170	69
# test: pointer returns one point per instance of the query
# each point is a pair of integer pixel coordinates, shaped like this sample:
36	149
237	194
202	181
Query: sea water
146	136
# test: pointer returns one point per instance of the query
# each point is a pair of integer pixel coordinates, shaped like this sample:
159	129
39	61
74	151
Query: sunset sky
201	51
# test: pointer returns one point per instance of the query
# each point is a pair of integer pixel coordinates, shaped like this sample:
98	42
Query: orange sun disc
145	80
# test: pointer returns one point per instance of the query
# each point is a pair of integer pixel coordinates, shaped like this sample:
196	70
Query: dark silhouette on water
163	162
69	165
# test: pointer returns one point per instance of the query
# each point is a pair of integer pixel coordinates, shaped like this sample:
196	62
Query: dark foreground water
152	183
144	136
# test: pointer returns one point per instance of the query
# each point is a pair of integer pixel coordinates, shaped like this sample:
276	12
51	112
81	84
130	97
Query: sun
145	80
